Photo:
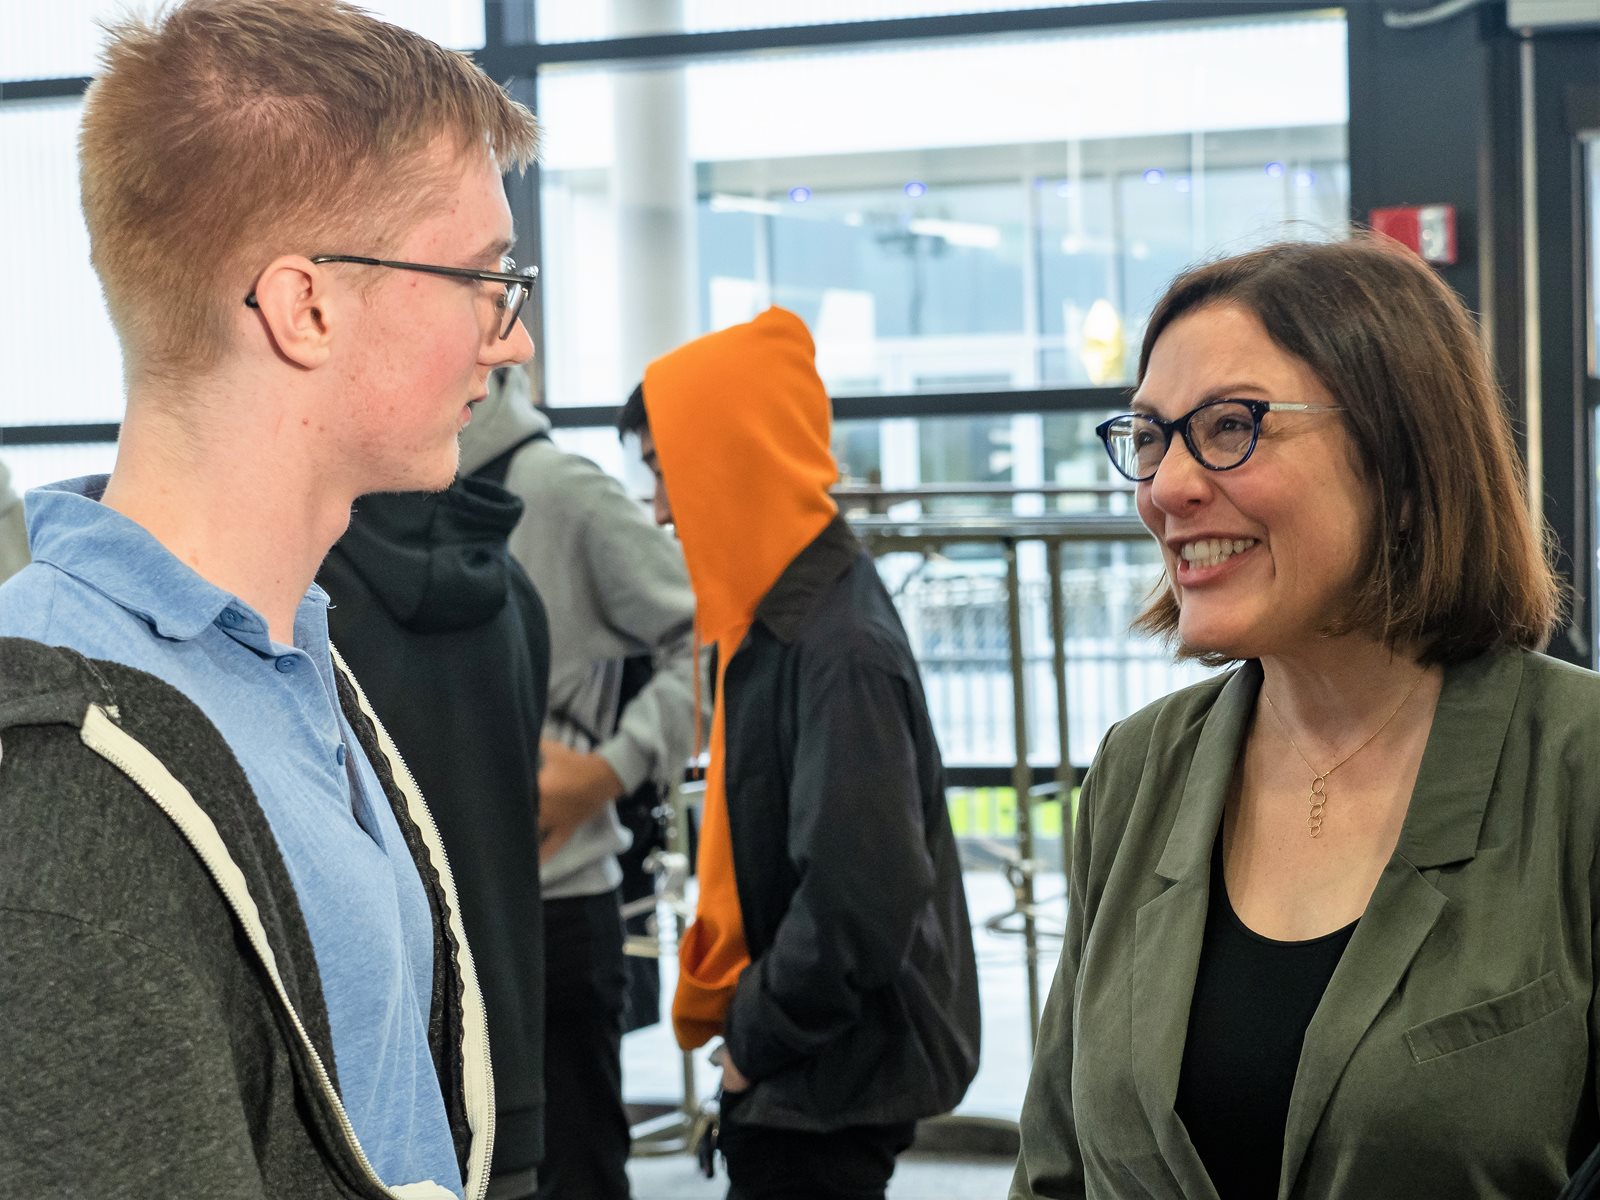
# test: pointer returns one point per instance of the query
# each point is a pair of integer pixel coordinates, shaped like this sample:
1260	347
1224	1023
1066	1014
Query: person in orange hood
831	947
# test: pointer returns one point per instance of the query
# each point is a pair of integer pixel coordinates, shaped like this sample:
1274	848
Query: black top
860	1006
450	642
1253	1000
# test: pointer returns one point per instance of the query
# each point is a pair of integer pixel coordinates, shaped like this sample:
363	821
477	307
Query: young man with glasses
235	965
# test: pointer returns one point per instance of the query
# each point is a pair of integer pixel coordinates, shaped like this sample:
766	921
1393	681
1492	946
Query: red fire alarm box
1428	229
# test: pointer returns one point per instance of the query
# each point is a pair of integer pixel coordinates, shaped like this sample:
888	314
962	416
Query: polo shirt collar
70	529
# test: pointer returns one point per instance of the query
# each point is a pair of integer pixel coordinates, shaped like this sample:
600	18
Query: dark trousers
586	1126
765	1163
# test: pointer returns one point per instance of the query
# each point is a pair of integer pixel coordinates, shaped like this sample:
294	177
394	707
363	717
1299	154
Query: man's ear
296	308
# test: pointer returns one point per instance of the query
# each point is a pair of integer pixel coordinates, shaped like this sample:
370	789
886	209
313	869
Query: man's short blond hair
223	133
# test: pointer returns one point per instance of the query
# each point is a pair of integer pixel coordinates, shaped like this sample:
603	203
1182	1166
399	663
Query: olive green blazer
1453	1054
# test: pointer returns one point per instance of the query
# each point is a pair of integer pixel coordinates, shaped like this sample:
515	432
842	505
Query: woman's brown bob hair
1453	564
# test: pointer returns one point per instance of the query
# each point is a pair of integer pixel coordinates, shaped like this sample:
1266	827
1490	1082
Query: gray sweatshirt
13	534
614	586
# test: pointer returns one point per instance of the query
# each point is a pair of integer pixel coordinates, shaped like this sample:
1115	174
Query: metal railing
1026	666
1012	642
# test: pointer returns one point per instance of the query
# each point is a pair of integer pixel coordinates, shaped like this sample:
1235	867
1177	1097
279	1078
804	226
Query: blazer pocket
1488	1019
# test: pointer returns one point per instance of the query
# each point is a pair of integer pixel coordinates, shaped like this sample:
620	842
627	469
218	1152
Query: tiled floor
918	1177
653	1069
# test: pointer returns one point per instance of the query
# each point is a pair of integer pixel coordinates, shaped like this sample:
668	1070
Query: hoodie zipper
120	748
477	1079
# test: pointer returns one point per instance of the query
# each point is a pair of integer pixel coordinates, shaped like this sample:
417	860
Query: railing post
1022	784
1058	635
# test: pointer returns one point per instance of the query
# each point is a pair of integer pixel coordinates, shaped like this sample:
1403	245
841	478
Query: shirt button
230	617
287	663
338	756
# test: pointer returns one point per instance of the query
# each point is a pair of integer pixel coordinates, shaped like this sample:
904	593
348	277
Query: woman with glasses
1332	918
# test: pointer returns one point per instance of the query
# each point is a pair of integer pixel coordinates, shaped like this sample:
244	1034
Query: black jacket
860	1005
147	1050
450	643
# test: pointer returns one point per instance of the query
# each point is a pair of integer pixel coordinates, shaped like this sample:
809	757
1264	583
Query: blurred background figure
831	947
13	533
621	724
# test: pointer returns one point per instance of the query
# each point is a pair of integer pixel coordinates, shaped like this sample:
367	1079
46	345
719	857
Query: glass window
978	214
954	603
955	613
953	600
34	465
59	359
614	456
53	41
62	39
585	20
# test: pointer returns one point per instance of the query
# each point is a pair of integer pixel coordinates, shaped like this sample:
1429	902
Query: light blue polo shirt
101	584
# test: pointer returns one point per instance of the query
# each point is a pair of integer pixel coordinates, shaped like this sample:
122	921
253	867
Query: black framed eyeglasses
1220	434
518	283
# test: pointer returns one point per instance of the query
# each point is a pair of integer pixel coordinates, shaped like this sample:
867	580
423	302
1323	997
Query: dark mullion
511	50
58	435
916	406
981	404
845	408
1565	69
43	89
523	193
502	62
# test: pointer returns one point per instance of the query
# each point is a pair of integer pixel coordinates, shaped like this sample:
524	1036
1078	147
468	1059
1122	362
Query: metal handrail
985	491
926	534
923	531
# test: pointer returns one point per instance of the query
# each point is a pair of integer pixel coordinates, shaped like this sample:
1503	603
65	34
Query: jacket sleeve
858	847
1049	1166
119	1074
644	591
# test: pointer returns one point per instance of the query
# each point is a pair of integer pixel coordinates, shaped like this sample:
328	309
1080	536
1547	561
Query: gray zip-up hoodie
614	586
166	1033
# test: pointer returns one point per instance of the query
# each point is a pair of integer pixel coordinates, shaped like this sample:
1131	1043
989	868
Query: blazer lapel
1441	827
1169	929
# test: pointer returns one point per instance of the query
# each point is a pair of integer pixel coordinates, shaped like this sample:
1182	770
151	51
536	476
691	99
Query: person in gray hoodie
13	533
615	588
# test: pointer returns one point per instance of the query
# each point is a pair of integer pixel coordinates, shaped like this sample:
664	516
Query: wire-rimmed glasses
518	283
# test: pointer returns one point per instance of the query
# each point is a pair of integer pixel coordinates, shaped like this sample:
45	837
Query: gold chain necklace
1319	779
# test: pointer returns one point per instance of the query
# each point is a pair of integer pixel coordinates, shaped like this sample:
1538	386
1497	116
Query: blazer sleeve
1048	1163
859	850
120	1078
1594	999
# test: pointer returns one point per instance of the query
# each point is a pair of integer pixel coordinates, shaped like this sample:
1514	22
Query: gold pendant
1319	801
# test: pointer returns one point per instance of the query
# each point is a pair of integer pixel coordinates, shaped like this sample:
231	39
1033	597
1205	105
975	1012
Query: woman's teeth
1208	552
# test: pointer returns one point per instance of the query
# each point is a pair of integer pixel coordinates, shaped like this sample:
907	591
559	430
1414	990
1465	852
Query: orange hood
742	424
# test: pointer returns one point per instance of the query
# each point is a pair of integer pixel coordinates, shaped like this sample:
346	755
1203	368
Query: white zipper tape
130	756
477	1078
